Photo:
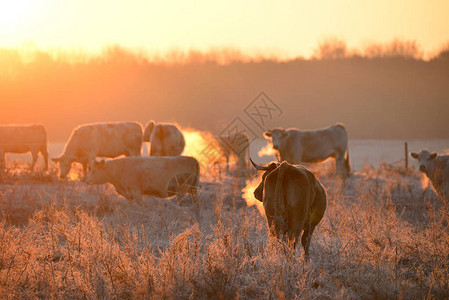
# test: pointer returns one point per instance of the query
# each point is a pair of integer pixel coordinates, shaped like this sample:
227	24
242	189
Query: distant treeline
382	91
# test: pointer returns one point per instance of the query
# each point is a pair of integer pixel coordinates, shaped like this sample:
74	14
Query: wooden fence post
406	155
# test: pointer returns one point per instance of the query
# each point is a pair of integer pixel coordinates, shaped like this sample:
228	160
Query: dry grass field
385	235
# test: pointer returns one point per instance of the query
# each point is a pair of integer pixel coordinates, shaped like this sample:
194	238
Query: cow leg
307	237
34	157
137	196
87	165
121	191
44	153
2	160
136	151
293	236
194	195
340	164
85	169
242	166
295	222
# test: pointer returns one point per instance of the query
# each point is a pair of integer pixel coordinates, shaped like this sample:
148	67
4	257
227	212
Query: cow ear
414	155
433	155
267	133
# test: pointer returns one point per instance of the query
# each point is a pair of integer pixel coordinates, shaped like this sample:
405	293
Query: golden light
203	146
424	181
196	142
267	150
248	194
13	12
73	176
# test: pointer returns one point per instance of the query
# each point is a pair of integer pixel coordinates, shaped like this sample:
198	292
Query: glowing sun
12	12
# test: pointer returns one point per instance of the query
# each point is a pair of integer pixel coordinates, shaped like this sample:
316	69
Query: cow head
148	131
97	174
277	137
258	192
426	160
65	164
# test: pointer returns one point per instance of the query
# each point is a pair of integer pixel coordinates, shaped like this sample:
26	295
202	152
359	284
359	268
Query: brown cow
294	201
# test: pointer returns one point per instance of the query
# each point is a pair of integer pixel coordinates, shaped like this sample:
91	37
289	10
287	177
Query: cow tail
279	190
347	164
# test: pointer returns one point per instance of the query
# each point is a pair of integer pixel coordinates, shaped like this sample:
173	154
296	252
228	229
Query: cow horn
260	168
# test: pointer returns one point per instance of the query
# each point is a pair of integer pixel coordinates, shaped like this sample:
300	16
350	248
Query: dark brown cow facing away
294	201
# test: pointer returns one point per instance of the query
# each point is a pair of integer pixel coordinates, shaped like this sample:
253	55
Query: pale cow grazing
293	199
166	139
100	140
22	139
235	145
134	177
436	168
297	146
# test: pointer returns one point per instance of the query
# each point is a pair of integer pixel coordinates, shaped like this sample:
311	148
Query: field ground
384	235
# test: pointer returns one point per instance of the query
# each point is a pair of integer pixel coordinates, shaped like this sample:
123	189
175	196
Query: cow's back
106	139
317	145
152	174
167	140
22	138
292	198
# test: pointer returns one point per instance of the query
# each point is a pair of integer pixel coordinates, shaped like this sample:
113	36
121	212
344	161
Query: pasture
384	235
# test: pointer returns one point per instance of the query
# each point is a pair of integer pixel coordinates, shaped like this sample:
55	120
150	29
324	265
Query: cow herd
294	200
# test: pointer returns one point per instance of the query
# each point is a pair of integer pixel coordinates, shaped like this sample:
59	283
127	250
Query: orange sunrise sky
283	28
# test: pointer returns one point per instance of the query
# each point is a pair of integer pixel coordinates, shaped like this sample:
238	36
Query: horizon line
328	49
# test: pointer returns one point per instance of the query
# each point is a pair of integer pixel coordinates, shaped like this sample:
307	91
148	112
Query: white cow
134	177
100	140
21	139
166	139
296	146
436	167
